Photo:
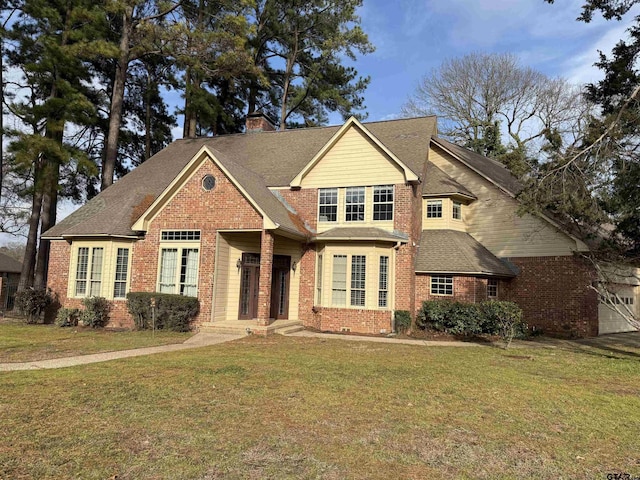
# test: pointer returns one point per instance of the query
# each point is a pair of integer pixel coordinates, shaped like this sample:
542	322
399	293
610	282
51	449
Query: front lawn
285	407
23	343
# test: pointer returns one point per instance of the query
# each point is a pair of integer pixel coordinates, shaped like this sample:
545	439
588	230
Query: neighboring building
10	270
332	227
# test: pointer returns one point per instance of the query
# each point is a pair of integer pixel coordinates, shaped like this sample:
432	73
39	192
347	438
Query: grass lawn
285	407
24	343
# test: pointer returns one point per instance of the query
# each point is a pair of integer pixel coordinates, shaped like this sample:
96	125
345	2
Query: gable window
179	271
358	280
328	205
89	271
339	281
457	211
434	208
442	285
122	269
354	204
492	288
383	202
383	283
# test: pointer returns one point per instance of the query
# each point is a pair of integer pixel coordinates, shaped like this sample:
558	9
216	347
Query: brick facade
352	320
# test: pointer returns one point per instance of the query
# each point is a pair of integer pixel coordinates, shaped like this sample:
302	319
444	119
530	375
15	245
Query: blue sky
412	37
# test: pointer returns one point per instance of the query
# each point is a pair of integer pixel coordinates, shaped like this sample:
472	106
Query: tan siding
447	221
493	219
222	270
353	161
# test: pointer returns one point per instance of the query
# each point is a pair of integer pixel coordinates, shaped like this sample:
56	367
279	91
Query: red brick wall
553	293
357	321
305	203
555	296
406	219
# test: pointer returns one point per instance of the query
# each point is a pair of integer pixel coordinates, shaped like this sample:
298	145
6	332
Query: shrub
68	317
32	303
456	318
173	312
504	319
96	312
402	320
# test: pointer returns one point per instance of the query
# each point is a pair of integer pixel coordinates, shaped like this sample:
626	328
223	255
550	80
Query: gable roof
437	182
9	264
490	169
274	158
409	175
450	251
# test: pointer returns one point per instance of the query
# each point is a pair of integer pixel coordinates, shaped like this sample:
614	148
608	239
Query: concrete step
290	330
246	327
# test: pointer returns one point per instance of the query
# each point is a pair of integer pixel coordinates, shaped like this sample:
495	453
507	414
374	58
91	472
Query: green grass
283	407
24	343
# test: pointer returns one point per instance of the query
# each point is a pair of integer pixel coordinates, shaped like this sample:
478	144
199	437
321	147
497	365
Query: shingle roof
269	158
495	171
436	182
9	265
450	251
361	233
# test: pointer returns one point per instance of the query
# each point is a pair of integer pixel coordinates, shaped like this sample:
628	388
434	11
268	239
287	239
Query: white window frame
456	207
360	213
381	191
492	288
383	282
319	280
121	278
441	285
434	208
358	290
94	274
322	195
180	281
339	284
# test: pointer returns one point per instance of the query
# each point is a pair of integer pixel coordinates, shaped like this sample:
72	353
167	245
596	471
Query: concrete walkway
197	341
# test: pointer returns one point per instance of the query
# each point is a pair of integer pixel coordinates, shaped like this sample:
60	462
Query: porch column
266	271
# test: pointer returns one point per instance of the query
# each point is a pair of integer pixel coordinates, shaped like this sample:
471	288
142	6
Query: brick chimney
258	122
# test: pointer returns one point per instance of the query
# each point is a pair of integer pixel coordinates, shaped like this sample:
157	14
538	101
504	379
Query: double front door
250	283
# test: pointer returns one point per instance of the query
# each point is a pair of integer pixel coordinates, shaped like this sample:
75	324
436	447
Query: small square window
434	208
442	285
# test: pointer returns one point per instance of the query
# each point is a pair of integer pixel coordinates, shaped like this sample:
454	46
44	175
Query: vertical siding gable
493	220
354	160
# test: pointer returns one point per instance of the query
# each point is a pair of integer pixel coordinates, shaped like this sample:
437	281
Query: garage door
611	321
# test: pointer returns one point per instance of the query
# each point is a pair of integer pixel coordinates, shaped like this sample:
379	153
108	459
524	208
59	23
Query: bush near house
96	312
402	321
172	312
68	317
32	303
459	318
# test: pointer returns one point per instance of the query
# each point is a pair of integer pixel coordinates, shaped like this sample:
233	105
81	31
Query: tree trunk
47	220
147	120
117	99
28	265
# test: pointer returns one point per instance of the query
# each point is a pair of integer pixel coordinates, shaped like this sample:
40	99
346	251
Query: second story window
328	205
383	202
434	208
457	211
354	204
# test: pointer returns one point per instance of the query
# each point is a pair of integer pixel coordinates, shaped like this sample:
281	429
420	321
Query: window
339	281
441	285
383	283
319	282
81	271
328	205
181	235
457	211
383	202
182	279
122	268
434	208
492	288
354	204
358	280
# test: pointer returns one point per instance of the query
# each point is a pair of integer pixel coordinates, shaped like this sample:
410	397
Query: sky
412	37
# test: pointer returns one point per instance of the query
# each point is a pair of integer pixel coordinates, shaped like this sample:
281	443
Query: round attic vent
208	182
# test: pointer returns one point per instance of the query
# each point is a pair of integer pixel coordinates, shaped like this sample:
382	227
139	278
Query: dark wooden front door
249	283
280	287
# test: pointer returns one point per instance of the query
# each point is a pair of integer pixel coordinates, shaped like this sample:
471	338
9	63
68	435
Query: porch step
247	327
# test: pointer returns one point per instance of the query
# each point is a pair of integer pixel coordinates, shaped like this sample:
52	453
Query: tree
299	45
479	96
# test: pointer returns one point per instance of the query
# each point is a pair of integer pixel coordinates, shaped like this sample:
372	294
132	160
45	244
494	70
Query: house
334	228
10	269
